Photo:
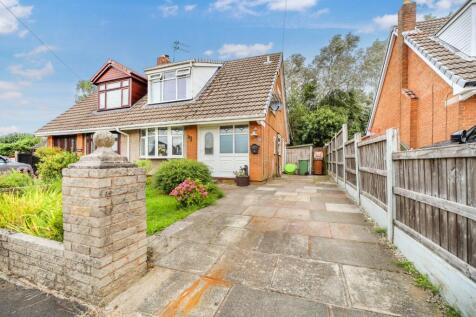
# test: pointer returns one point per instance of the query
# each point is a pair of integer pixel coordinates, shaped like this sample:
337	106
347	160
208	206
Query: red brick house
428	83
225	114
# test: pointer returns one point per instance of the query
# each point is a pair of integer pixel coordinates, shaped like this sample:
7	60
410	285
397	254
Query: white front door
222	161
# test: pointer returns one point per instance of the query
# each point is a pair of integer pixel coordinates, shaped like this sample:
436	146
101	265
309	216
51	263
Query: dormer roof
113	70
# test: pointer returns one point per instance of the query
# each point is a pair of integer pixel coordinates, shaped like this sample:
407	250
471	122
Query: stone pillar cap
103	156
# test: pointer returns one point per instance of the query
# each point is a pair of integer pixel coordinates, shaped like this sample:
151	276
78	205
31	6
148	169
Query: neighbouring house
225	114
428	83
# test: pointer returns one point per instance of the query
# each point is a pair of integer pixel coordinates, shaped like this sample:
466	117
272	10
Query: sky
66	40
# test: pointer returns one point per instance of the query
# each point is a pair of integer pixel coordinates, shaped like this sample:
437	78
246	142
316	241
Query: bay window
234	139
170	86
114	95
162	142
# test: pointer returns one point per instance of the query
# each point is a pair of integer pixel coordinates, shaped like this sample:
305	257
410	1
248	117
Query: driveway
296	246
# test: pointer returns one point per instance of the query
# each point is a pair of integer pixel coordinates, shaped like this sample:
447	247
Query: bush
17	142
146	165
52	162
171	173
190	193
15	179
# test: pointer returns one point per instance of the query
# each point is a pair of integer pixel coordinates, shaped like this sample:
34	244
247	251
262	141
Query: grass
423	281
163	210
35	210
380	231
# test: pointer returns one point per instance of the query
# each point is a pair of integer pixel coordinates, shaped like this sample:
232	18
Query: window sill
161	157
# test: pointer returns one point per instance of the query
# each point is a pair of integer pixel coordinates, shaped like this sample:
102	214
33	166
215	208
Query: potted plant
241	177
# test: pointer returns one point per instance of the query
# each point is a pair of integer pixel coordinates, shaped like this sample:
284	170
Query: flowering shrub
190	193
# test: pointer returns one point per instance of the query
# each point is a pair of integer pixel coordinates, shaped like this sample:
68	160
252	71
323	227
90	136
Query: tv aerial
179	47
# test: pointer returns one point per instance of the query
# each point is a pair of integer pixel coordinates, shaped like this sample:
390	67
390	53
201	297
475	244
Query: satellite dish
275	103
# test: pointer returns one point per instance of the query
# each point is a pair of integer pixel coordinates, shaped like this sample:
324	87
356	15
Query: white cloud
36	51
208	52
8	23
168	9
8	130
243	50
189	7
252	7
10	95
386	21
321	12
32	73
291	5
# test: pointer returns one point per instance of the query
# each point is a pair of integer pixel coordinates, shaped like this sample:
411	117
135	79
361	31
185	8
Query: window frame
160	78
157	136
233	134
124	84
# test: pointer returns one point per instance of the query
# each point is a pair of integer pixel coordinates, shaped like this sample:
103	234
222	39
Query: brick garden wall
37	260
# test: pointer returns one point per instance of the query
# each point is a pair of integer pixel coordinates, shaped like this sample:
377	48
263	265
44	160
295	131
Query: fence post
392	146
344	166
357	139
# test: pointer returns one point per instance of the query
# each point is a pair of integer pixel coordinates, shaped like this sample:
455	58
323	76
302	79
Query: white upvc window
114	95
164	142
169	86
234	139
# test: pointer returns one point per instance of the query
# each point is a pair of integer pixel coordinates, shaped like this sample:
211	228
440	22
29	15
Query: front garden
34	205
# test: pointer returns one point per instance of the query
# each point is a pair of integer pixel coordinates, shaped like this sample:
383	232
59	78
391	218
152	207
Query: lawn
37	210
163	210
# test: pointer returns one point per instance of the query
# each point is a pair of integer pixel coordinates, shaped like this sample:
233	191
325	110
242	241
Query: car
464	136
7	164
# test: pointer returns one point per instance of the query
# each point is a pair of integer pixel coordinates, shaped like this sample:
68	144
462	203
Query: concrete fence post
392	146
357	139
104	215
344	163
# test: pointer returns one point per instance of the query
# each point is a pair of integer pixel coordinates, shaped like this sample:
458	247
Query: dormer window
172	85
114	95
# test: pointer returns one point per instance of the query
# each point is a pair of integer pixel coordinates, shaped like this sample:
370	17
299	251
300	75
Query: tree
321	125
336	65
20	142
371	66
296	71
84	88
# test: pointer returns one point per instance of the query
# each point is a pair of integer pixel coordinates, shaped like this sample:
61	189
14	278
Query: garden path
296	246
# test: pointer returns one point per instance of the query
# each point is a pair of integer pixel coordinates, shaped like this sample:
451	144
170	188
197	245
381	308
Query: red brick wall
429	120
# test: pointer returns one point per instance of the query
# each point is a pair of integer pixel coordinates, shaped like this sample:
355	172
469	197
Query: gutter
128	146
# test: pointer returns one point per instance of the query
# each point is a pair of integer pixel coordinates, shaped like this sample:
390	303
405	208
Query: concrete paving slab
353	232
267	189
263	224
239	237
254	269
260	211
21	301
191	257
283	193
377	290
306	190
350	208
309	279
346	312
199	232
285	244
245	302
338	217
299	197
372	255
293	213
310	228
238	221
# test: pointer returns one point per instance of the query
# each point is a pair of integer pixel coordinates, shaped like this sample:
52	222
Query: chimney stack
163	59
406	22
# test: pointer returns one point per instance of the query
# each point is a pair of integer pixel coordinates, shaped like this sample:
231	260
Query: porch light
254	133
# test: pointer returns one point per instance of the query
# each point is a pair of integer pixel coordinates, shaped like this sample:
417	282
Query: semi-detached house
428	84
225	114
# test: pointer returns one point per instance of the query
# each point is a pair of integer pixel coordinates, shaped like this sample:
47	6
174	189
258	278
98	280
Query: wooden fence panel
373	170
350	167
436	199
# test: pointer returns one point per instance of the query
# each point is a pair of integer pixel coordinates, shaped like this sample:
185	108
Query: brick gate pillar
104	216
